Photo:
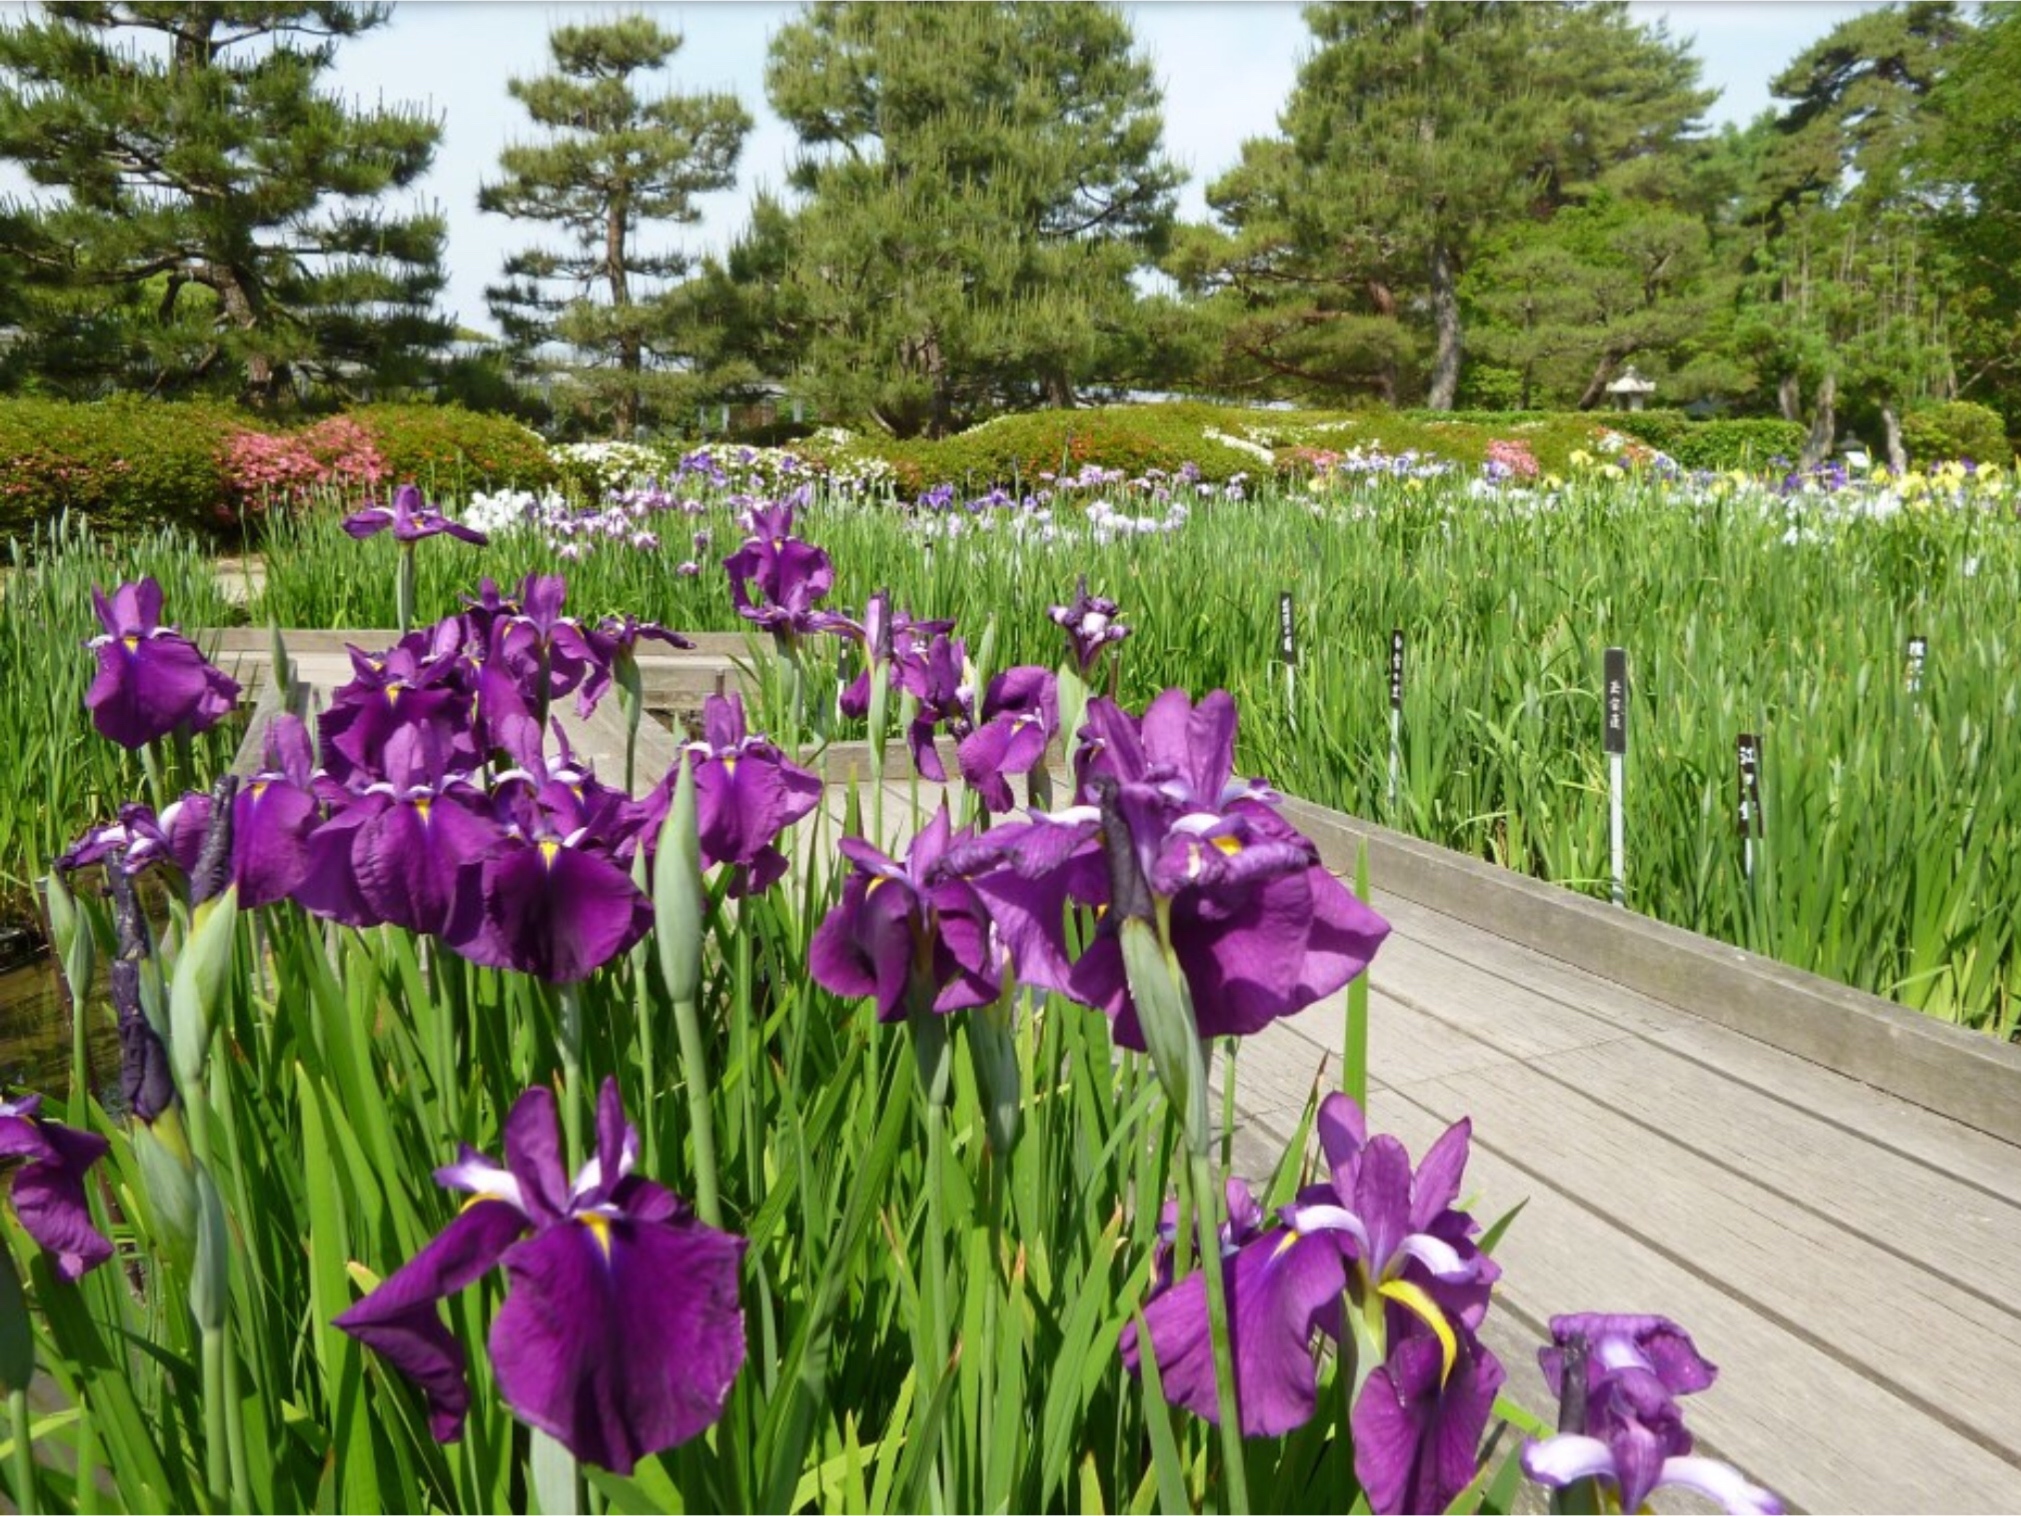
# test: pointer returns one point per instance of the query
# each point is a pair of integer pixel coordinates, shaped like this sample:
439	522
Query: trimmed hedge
1955	429
1015	450
125	464
130	463
447	448
1740	443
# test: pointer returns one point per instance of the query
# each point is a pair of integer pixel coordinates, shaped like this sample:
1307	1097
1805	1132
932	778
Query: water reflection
35	1032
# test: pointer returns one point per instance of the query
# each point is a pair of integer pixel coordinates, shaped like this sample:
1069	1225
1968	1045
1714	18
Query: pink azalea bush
262	467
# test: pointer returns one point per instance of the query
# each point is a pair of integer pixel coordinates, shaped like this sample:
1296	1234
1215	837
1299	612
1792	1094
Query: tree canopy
613	162
215	214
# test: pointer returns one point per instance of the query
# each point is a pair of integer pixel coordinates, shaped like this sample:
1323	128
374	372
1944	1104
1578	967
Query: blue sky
1226	67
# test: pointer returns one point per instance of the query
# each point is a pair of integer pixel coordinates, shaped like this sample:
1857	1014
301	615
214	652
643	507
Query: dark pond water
35	1033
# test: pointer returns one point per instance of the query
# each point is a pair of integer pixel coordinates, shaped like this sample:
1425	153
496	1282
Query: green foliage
1015	450
124	465
445	447
218	214
614	161
1741	442
1955	429
1414	136
981	182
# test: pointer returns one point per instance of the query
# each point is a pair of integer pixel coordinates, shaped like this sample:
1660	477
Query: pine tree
981	182
615	159
219	216
1416	135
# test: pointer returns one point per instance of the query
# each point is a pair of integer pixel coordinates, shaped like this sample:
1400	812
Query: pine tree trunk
1445	291
1824	423
1789	398
630	358
1383	299
1898	456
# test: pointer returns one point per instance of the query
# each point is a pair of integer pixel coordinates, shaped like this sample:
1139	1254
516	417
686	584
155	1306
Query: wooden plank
1952	1355
1824	1436
1971	1078
1946	1228
1936	1142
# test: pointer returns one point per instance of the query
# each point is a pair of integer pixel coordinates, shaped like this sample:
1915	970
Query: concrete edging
1966	1076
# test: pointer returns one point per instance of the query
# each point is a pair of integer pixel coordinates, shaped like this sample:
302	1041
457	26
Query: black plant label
1616	734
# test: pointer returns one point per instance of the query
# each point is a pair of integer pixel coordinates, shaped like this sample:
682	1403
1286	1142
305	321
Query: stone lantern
1631	390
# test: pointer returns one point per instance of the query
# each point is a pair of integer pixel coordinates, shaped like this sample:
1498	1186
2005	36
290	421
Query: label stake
1395	714
1615	740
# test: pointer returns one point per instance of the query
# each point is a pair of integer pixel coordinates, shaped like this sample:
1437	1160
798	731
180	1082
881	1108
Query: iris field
484	1136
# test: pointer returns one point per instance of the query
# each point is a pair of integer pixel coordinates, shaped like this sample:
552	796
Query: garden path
1838	1249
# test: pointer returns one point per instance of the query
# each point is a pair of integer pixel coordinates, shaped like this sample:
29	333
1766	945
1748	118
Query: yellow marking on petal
1413	1299
730	766
132	644
871	888
421	808
600	1228
1290	1236
259	788
548	849
393	692
1229	845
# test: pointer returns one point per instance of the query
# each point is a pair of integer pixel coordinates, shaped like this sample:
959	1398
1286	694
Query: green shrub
125	465
448	449
1955	429
1016	449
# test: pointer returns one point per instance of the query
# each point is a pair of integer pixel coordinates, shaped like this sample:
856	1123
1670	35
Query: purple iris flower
1090	624
886	636
1375	1238
552	899
1259	926
942	680
620	1333
420	681
542	641
746	794
1242	1219
901	924
140	839
273	815
1020	713
151	678
1419	1420
418	836
791	576
614	644
1620	1422
48	1188
410	518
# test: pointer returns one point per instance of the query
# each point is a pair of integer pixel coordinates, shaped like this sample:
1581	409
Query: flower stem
1207	1206
695	1077
572	1096
24	1452
403	588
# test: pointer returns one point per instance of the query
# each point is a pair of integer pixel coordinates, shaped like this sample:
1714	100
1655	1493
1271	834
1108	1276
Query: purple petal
560	918
147	690
1279	1286
271	823
1439	1173
620	1338
1416	1443
48	1189
399	1320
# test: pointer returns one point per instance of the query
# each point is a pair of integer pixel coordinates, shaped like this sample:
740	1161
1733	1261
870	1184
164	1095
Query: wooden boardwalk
1685	1142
